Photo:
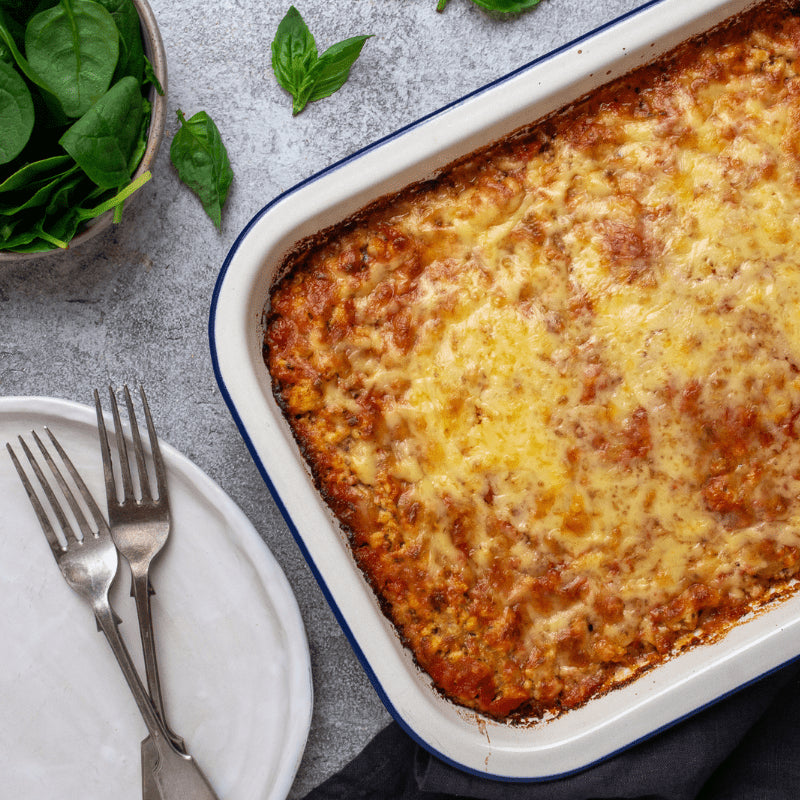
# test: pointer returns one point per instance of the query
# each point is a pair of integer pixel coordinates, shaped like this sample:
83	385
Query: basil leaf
104	138
16	113
74	48
501	6
294	53
333	67
507	6
200	157
298	68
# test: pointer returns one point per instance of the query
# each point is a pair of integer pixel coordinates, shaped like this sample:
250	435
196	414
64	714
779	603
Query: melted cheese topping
553	395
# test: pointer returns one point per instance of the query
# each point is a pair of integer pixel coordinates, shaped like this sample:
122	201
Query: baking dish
606	724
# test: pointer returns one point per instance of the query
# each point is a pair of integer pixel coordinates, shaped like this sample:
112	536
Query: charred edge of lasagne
736	493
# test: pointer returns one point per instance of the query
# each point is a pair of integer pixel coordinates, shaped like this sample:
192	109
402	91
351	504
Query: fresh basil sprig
501	6
298	68
200	157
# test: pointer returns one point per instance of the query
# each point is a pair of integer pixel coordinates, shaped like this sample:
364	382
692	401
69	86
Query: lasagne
552	394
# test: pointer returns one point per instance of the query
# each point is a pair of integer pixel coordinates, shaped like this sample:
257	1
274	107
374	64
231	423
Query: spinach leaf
140	146
31	173
57	224
151	77
200	157
13	22
46	194
44	241
112	203
40	197
6	230
16	242
74	48
70	192
104	138
131	47
298	68
10	43
63	228
16	113
22	10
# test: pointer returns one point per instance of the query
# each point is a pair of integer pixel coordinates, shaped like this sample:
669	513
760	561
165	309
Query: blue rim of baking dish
396	715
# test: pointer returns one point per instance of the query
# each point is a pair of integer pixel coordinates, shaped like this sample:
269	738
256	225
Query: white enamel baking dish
608	724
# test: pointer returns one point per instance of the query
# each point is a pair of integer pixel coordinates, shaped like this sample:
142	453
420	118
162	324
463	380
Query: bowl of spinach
82	112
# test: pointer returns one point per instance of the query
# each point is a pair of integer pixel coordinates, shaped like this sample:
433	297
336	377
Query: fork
89	565
139	527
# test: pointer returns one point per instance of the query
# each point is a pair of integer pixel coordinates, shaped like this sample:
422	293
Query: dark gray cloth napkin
746	747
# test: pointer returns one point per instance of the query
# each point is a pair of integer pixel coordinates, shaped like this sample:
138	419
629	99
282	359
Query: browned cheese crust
552	394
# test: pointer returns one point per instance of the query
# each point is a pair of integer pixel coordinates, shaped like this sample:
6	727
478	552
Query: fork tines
54	486
138	450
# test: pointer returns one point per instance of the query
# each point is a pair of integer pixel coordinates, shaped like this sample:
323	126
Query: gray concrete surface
133	305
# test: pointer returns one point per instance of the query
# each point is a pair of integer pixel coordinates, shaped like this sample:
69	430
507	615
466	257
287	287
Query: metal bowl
154	50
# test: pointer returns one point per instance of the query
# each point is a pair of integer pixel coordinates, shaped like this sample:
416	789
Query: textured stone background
133	305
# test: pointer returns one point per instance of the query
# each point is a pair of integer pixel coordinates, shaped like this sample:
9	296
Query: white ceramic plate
233	655
607	724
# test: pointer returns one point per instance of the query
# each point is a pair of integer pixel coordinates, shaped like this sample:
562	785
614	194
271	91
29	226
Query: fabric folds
745	747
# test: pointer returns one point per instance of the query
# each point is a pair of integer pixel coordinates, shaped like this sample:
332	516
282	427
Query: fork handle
176	775
107	623
141	595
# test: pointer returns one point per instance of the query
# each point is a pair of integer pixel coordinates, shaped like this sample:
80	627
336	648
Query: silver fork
139	527
89	565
